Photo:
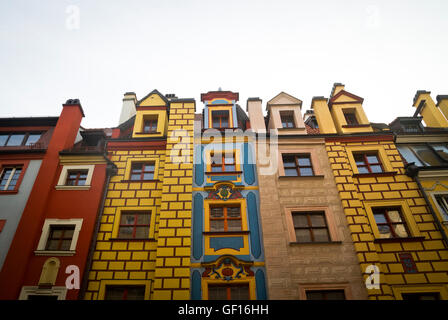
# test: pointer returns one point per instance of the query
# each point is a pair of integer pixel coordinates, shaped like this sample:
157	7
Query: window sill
377	174
72	187
54	253
147	133
303	177
213	173
134	239
408	239
9	191
224	233
315	242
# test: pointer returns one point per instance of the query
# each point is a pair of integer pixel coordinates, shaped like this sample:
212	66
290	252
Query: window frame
59	291
223	163
220	119
117	221
24	139
430	147
297	166
250	281
228	286
134	226
388	169
389	223
77	178
152	120
128	168
367	164
46	229
60	239
14	163
303	288
352	112
443	211
225	217
290	115
105	283
61	185
125	293
310	226
142	174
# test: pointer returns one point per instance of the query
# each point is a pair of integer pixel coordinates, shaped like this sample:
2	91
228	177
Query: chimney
171	96
253	107
428	110
442	104
337	87
128	109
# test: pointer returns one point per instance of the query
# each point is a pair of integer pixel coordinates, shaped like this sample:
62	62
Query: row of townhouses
260	203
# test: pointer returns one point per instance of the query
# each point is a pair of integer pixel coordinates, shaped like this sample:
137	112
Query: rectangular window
350	117
220	119
325	295
296	165
9	177
228	292
223	162
421	296
442	201
60	237
19	139
76	177
125	293
310	227
287	119
142	171
390	223
425	154
225	218
368	163
150	125
134	225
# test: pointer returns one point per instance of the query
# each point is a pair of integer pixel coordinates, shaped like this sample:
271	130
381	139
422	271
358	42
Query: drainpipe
412	171
111	170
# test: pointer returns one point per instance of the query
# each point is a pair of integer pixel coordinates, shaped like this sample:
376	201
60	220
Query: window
325	295
76	178
220	119
150	125
287	119
442	201
60	237
310	227
125	292
223	162
350	117
297	165
134	225
421	296
225	218
368	163
19	139
425	154
9	177
411	127
228	292
142	171
390	223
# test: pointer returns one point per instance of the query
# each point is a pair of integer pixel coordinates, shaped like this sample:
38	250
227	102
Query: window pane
217	168
125	232
234	225
380	218
318	220
426	155
442	151
394	216
384	231
3	138
300	220
136	167
306	172
148	176
32	138
409	156
376	169
442	202
291	172
52	245
363	170
217	212
359	159
372	159
114	293
15	140
136	293
230	167
149	167
233	212
321	235
141	232
303	235
217	293
239	293
217	225
135	176
143	218
289	161
400	230
304	161
65	245
224	122
335	295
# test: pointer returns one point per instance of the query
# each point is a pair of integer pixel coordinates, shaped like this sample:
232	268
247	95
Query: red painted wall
22	267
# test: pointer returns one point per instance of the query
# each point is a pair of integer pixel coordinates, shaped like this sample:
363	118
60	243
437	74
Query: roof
28	121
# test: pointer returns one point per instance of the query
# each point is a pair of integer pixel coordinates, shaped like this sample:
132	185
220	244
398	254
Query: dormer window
19	139
287	119
411	127
350	117
150	124
220	119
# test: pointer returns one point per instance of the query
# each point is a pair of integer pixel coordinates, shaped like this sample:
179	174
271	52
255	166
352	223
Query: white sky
382	51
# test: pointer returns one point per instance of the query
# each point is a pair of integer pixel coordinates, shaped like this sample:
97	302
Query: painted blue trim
214	257
199	165
248	166
220	102
198	215
252	211
260	285
205	124
223	178
235	243
196	290
235	120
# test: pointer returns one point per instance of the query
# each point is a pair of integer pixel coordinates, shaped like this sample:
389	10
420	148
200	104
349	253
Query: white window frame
63	177
60	292
10	176
46	232
443	214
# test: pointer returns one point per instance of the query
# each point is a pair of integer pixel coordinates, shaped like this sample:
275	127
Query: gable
284	99
345	97
153	99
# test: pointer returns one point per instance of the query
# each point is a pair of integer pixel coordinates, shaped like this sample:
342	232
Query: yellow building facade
142	249
398	242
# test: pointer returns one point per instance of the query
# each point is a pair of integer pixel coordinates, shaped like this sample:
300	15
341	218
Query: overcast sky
97	50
